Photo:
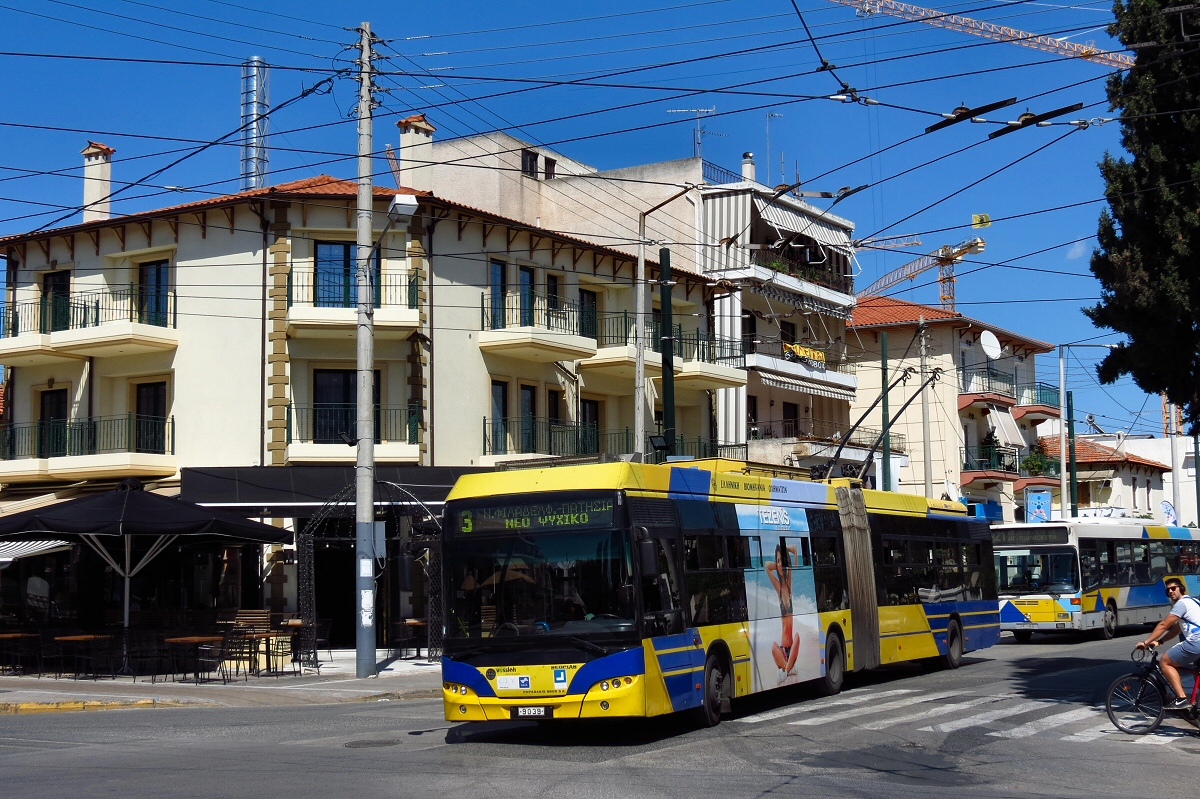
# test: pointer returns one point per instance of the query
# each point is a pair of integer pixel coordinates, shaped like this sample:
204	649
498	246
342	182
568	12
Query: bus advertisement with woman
636	590
1089	574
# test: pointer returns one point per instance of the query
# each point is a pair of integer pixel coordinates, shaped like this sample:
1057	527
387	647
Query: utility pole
886	466
1063	484
1074	463
925	443
639	336
667	337
1176	472
364	472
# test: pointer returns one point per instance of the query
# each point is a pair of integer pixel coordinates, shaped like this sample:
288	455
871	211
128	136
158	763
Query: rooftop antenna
698	139
772	115
256	104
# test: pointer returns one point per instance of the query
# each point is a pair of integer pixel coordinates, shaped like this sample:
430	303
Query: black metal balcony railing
536	309
54	312
986	381
1040	468
820	430
718	175
820	274
1037	394
615	329
541	436
340	290
97	435
713	349
989	458
697	447
325	423
777	348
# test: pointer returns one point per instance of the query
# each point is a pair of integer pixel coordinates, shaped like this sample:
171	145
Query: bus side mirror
648	555
404	571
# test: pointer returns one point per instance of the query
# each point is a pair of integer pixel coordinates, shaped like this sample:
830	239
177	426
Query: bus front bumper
626	699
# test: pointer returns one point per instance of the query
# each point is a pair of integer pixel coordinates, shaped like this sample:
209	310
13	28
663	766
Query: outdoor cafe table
196	642
264	635
419	627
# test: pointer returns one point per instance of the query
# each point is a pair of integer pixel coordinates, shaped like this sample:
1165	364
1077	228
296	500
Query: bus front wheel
1109	626
1023	636
835	665
715	677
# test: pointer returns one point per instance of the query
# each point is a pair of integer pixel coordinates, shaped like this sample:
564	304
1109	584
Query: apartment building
984	411
1113	481
781	269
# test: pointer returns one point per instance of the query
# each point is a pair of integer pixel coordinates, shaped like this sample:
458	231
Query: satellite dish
990	344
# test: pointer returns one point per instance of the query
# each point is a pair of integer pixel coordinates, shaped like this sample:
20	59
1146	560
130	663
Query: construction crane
988	30
944	258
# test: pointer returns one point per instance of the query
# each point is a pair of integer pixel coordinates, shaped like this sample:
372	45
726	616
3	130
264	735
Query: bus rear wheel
715	678
954	645
835	665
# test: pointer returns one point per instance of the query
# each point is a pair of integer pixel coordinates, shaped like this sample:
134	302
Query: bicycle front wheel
1135	704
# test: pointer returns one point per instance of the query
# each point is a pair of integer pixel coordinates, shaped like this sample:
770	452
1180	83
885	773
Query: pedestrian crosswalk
1071	719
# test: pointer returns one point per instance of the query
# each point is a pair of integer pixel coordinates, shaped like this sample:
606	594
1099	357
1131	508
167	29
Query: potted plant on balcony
1037	461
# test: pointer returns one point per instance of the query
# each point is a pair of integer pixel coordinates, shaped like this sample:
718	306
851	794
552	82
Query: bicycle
1136	702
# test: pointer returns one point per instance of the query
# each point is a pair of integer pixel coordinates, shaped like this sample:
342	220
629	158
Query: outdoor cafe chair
281	655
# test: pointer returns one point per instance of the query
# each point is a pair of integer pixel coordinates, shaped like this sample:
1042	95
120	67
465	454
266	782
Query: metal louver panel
651	512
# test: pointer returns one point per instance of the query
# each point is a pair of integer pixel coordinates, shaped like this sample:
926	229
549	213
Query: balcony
710	363
801	361
88	448
56	328
1037	401
989	463
516	438
315	433
980	387
535	326
817	274
1037	472
616	353
329	309
820	430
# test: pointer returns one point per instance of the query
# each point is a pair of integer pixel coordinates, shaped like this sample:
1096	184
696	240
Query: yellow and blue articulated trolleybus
622	589
1090	574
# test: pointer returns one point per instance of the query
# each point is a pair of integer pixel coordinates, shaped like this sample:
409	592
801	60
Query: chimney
748	166
97	181
256	104
416	153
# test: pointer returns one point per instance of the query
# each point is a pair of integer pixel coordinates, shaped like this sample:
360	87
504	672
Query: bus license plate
1026	624
532	712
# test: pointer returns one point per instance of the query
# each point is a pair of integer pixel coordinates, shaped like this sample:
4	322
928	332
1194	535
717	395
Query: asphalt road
1015	720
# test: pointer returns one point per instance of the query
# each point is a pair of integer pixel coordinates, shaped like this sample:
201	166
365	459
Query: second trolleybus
637	590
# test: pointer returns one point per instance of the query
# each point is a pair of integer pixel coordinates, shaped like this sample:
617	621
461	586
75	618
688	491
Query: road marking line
1091	733
991	715
862	711
1161	737
1046	722
941	710
810	707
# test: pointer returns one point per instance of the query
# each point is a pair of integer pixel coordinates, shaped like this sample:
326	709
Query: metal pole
925	437
1063	486
639	333
1196	472
364	504
668	349
1176	472
1074	465
887	437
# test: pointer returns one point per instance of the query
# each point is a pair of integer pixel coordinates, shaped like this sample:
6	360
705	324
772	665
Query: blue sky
675	54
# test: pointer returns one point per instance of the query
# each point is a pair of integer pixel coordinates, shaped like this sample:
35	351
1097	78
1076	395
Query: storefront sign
799	352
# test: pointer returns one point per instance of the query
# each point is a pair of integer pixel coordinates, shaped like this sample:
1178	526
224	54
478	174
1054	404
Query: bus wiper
585	645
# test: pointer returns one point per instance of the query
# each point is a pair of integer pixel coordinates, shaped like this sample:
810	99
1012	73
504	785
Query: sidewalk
398	679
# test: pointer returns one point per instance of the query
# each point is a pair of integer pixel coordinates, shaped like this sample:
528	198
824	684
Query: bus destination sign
538	516
1035	536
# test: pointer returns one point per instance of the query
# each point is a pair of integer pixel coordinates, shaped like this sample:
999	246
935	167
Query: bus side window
756	558
1109	568
1162	554
739	552
1189	558
1090	564
827	574
660	594
805	555
1141	562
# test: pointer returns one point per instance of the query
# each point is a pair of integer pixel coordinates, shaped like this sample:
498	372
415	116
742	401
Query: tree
1148	259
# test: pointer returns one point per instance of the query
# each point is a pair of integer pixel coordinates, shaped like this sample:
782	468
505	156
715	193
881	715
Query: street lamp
1064	481
639	327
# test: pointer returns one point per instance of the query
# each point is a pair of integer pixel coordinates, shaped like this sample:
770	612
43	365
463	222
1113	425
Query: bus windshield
1038	570
578	583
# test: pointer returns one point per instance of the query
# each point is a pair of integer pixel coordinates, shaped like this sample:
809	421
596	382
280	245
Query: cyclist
1184	621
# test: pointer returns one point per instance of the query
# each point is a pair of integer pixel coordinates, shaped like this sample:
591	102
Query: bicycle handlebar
1139	655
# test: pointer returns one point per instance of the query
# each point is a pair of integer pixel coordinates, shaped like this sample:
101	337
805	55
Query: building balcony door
56	301
154	291
150	418
52	434
335	405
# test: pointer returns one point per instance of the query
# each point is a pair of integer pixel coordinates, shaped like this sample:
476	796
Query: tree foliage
1148	259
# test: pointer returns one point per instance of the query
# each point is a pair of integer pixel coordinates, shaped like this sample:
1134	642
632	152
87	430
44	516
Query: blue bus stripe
673	661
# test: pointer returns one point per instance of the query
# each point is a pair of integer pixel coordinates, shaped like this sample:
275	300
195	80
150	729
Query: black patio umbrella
110	522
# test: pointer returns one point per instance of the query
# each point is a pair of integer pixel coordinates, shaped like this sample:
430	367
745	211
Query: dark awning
300	491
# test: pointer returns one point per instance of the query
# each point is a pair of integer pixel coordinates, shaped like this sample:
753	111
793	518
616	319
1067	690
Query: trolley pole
667	347
925	443
886	466
364	473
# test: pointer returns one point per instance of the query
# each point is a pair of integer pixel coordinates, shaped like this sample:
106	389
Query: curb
25	708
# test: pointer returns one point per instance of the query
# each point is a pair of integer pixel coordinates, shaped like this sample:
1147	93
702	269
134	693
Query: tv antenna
698	138
773	115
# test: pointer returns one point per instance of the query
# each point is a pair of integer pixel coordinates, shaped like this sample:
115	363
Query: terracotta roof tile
889	312
1088	451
